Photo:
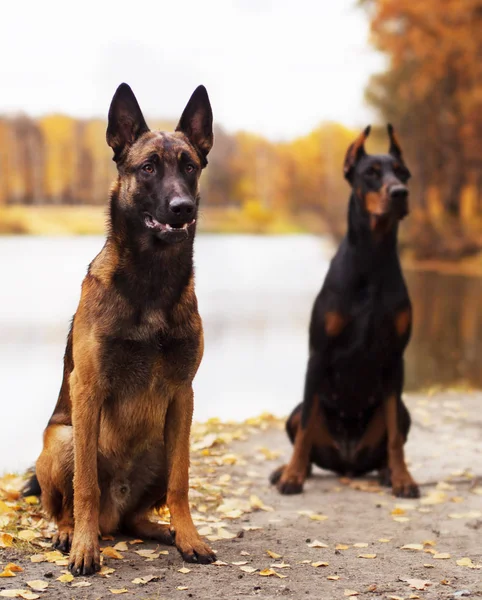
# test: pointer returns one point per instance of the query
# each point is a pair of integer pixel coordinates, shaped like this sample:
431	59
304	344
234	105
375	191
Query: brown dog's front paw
84	556
404	486
195	550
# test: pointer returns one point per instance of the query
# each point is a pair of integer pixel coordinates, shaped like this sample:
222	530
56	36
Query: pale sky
277	67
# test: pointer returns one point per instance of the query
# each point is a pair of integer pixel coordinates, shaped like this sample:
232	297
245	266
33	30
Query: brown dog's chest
160	363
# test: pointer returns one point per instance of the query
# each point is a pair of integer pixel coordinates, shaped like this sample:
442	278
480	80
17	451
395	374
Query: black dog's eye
190	168
401	173
372	172
148	168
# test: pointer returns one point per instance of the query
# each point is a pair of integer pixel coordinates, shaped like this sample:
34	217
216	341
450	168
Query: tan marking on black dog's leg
177	432
402	321
403	484
335	322
294	474
374	433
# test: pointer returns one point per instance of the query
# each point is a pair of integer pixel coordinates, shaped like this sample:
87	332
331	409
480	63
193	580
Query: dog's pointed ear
394	148
355	152
197	122
126	122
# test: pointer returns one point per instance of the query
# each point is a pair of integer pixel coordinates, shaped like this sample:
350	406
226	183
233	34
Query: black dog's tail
32	487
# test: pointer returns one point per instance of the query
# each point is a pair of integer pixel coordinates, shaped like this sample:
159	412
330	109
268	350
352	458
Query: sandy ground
361	528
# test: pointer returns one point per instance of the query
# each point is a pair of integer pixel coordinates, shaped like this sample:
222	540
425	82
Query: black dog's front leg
311	428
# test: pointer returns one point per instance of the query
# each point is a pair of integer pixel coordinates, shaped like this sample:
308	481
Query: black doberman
352	419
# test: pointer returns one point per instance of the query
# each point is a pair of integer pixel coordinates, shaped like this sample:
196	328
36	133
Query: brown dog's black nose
398	193
182	208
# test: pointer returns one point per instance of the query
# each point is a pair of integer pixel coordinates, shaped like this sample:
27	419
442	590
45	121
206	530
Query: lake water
255	297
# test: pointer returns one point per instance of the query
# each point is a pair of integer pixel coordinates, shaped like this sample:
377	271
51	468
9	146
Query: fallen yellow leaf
184	570
248	569
367	556
418	584
38	585
7	573
350	593
118	591
317	544
28	535
333	577
6	540
111	552
412	547
319	564
121	546
146	579
273	554
341	547
65	578
442	555
360	545
31	500
38	558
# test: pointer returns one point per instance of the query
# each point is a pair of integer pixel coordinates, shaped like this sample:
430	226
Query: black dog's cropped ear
197	122
126	123
394	148
355	152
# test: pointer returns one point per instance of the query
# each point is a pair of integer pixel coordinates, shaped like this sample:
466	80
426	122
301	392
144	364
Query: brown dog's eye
148	168
190	168
372	172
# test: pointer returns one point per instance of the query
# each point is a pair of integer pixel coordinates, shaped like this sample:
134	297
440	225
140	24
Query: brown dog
117	444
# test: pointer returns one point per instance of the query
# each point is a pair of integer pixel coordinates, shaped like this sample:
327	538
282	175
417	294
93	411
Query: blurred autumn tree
61	160
432	92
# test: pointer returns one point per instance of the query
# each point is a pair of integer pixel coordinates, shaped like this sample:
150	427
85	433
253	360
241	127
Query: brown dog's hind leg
62	540
54	471
140	526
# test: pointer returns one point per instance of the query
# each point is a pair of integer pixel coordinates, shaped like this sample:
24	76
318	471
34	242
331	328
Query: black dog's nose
398	193
183	208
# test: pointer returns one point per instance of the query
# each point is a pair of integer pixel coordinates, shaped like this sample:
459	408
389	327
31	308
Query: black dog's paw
290	486
385	477
276	475
405	487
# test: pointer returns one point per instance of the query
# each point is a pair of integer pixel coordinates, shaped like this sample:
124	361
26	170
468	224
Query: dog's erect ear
197	122
394	148
126	122
355	152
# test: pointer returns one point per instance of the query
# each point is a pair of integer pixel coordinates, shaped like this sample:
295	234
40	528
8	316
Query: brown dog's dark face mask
378	181
158	186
